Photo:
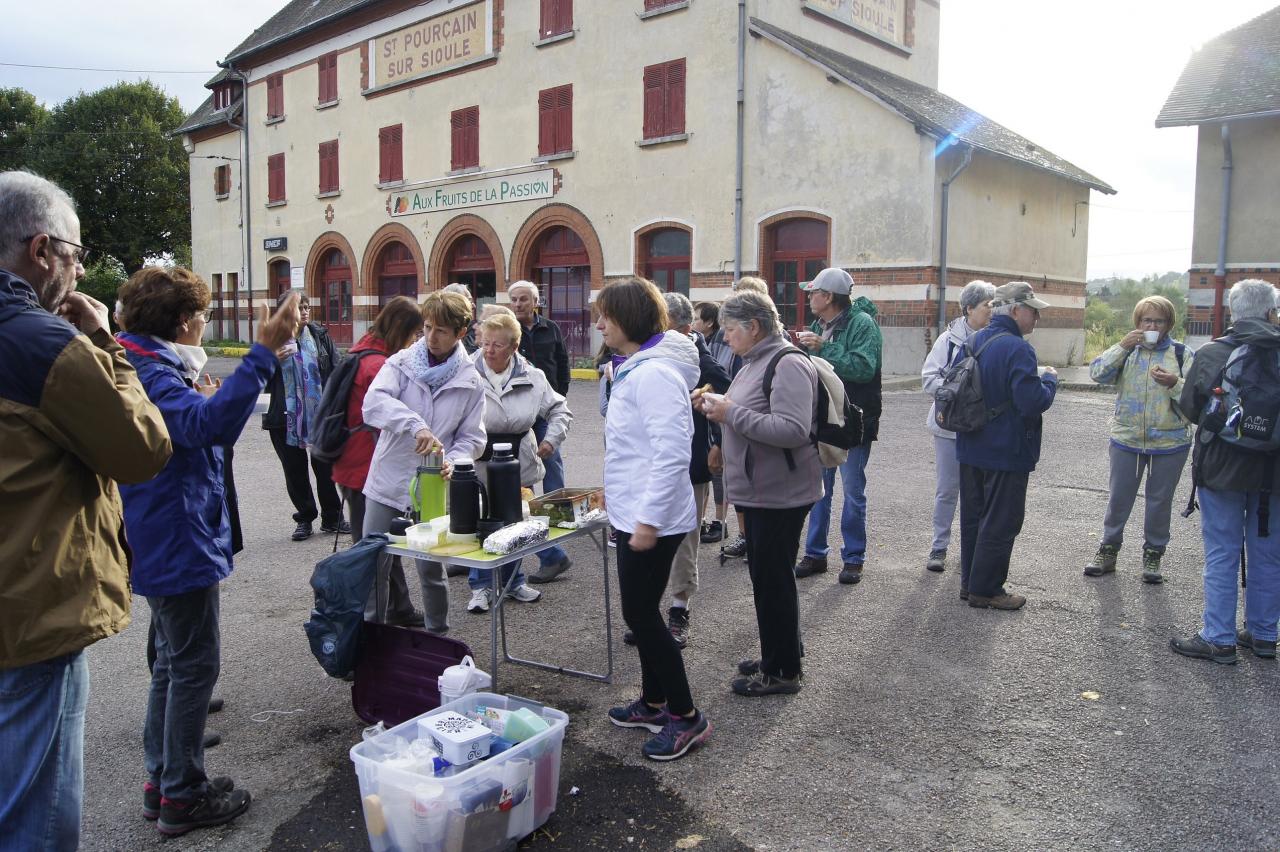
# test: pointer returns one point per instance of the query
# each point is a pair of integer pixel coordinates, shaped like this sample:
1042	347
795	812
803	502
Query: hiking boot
613	538
1003	600
712	532
1260	647
678	624
735	549
1151	566
151	795
750	667
215	705
302	531
629	638
523	594
213	808
850	574
452	570
547	573
937	560
637	714
1103	562
809	565
677	737
758	684
212	740
480	601
1196	647
964	593
411	618
341	527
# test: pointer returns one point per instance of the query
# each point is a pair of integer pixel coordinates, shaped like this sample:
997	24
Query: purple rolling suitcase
396	675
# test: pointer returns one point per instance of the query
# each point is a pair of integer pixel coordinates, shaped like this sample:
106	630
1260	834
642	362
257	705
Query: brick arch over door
453	230
523	250
798	266
324	244
392	232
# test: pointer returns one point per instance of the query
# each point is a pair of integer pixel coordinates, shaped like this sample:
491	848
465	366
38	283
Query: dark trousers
992	506
298	483
642	578
188	651
355	510
773	540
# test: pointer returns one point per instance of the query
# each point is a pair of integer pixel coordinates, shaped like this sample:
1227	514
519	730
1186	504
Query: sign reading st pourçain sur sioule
446	41
500	189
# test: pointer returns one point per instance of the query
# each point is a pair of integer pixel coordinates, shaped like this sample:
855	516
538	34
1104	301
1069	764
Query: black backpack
329	432
959	405
840	435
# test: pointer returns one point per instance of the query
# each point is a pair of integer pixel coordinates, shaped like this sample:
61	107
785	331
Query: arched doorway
562	271
397	274
335	308
666	259
796	250
470	262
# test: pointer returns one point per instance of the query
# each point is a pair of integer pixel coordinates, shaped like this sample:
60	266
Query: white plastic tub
481	808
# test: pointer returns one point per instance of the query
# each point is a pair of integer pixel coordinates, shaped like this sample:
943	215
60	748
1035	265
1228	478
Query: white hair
745	306
975	293
31	205
460	289
526	285
1004	310
679	309
1251	298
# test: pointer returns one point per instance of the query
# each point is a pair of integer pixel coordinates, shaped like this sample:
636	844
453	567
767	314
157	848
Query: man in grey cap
846	335
996	461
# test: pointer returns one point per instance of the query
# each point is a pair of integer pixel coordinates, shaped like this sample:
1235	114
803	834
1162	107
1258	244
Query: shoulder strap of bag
767	386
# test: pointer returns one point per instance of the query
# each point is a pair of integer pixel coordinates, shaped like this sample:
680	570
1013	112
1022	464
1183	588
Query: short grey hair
460	289
1251	298
30	205
1004	310
975	293
744	307
527	285
679	310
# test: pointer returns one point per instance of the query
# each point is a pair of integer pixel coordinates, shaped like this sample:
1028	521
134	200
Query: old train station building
362	149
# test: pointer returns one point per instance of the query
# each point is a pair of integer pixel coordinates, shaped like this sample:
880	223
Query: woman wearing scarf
305	362
426	396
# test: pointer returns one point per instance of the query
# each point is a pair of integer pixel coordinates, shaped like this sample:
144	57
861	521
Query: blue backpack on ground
342	583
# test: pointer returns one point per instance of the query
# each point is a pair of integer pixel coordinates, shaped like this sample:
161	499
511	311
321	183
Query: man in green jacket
845	334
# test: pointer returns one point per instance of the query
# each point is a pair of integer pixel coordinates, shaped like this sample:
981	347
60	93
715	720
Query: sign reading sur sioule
446	41
500	189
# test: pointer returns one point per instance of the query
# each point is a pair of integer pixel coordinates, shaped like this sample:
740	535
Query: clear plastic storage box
484	806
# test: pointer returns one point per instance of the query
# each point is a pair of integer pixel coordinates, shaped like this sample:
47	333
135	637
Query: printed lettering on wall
432	46
884	19
503	189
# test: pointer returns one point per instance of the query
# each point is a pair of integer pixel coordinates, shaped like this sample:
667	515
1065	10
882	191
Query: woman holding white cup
1148	432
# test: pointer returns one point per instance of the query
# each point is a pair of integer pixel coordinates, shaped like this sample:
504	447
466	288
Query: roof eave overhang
281	39
1216	119
922	125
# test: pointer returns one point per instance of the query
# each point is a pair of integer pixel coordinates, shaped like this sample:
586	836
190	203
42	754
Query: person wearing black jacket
287	421
542	344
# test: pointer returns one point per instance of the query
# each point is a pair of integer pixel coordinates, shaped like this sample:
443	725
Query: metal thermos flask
503	474
465	497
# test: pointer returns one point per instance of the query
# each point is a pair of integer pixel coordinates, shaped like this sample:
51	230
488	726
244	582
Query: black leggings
294	460
642	578
773	540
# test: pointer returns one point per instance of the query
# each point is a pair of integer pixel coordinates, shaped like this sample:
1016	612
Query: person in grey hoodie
649	497
772	473
975	313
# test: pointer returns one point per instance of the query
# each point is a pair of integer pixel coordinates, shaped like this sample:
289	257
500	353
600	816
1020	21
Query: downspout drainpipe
737	190
942	247
1220	272
246	272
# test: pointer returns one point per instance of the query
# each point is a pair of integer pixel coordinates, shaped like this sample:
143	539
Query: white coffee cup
1151	338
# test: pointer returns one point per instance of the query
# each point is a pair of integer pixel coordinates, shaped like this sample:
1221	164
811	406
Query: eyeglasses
1156	321
81	253
206	314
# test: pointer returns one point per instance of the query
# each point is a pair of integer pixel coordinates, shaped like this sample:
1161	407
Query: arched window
797	251
397	274
470	262
666	259
562	272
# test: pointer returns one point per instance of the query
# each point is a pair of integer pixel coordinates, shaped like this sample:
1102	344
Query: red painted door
799	253
336	301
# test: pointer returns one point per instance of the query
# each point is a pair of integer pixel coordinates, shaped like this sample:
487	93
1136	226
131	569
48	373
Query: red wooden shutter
275	177
564	16
675	97
473	137
457	140
547	122
328	68
464	126
555	18
390	160
275	96
397	152
655	85
564	118
329	166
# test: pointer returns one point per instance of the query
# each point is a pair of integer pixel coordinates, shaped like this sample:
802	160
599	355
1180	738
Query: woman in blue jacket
180	534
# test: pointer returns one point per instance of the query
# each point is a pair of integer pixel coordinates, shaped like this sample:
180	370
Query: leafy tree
21	116
111	150
102	279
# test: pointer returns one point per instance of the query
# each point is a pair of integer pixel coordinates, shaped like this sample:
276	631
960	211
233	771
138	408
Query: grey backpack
959	405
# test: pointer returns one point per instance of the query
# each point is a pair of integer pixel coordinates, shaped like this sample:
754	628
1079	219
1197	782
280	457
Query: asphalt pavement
922	723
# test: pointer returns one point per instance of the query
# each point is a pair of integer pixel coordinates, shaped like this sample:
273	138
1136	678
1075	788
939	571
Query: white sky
1084	80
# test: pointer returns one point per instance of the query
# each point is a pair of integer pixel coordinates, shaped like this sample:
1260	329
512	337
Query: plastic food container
478	808
422	536
459	740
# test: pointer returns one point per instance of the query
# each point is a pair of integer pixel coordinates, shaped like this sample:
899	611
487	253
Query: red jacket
352	466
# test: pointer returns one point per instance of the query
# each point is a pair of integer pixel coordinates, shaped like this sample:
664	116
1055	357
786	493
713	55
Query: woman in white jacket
648	443
975	313
516	395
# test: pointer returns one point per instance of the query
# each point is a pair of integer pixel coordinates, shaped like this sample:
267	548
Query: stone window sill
327	104
222	196
333	193
275	119
663	140
662	10
391	184
555	39
554	158
469	170
282	202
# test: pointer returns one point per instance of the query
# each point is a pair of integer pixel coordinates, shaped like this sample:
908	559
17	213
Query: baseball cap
1018	293
832	279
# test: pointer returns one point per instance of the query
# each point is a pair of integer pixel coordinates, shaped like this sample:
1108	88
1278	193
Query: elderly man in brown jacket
73	418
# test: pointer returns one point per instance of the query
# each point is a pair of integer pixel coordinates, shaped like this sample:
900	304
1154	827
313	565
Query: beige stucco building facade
846	144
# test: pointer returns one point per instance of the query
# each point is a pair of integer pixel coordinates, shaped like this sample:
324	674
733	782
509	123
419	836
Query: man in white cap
846	335
996	461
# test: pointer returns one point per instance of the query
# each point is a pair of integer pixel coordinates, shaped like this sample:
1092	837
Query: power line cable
105	70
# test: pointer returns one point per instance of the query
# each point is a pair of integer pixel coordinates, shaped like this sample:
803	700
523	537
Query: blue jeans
553	480
1228	519
853	519
42	753
188	650
482	578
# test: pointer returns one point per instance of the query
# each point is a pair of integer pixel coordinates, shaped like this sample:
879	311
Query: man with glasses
996	461
74	418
